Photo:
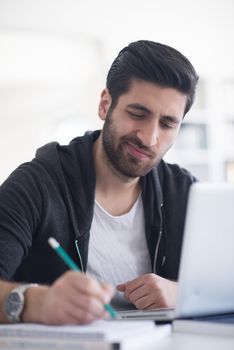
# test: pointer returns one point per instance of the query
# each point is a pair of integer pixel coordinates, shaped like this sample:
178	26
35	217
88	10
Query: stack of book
100	335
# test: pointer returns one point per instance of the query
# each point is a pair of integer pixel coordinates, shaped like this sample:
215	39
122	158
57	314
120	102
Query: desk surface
186	341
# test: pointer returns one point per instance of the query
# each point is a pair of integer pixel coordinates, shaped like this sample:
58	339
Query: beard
119	159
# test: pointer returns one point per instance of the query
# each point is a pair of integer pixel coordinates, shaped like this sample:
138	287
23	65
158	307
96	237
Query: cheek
168	139
124	130
124	124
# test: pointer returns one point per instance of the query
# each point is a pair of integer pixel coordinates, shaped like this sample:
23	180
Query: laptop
206	275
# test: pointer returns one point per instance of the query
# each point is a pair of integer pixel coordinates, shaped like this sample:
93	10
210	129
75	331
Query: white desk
186	341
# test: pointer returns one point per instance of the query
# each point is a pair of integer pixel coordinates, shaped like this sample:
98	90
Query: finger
109	289
82	283
87	303
145	302
121	287
137	294
95	300
72	315
154	306
84	314
132	286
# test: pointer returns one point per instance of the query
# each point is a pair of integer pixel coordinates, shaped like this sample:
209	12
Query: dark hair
153	62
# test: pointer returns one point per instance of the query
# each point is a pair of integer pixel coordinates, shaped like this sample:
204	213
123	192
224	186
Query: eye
167	125
136	115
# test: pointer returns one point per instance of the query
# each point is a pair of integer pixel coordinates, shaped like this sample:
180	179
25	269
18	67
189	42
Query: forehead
154	97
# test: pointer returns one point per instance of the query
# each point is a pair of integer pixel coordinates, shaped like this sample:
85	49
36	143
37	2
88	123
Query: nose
149	133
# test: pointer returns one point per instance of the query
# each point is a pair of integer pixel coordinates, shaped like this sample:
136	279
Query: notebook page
98	330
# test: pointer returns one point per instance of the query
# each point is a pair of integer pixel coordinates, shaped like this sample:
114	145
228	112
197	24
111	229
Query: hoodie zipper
79	255
156	251
157	247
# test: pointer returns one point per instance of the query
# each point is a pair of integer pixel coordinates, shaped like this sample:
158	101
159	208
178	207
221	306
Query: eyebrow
139	107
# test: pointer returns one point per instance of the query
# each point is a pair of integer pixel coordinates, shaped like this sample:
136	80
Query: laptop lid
206	276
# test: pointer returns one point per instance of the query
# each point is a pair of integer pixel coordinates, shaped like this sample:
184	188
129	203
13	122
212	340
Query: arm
74	298
20	216
150	291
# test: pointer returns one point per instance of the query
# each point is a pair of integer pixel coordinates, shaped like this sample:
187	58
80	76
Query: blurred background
55	54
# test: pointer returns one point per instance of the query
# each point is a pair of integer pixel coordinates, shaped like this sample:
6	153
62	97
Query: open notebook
206	277
100	335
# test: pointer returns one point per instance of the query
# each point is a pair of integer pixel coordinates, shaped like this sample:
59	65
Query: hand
150	291
74	298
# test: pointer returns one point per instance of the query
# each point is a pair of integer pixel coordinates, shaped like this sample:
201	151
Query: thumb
108	289
121	287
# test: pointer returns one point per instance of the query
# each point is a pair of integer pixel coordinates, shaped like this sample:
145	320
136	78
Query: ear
104	104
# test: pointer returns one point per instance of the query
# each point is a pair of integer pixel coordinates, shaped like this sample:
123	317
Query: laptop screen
206	277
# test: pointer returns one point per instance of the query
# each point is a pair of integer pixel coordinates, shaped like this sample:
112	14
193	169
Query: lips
137	152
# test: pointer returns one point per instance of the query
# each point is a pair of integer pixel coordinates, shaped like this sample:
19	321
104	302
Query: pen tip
53	243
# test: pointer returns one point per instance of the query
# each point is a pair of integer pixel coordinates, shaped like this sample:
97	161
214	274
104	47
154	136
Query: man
108	197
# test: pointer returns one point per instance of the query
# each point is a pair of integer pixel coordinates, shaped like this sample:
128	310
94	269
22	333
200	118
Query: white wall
54	56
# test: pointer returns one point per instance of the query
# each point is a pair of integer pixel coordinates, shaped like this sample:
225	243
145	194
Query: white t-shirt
117	249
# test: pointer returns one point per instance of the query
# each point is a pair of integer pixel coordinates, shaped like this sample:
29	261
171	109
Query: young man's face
142	126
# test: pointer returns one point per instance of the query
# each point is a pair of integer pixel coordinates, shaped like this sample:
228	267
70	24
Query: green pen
72	265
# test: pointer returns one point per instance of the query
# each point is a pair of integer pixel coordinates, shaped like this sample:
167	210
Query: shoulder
53	150
54	163
78	153
174	174
175	183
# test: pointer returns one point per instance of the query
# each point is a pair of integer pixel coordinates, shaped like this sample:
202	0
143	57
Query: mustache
135	141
